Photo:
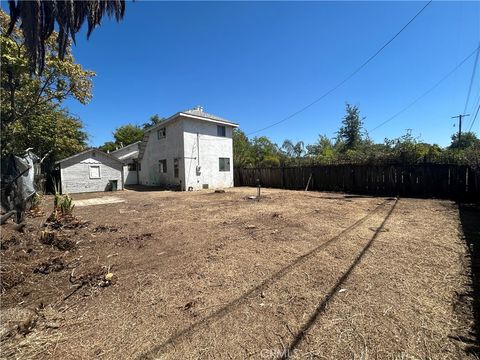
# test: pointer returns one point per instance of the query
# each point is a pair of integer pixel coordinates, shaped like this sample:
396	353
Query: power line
475	104
472	79
425	93
474	118
346	79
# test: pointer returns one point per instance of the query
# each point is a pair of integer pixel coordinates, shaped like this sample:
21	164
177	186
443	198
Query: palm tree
40	16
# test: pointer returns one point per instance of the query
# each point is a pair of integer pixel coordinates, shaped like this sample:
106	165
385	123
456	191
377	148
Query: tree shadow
470	222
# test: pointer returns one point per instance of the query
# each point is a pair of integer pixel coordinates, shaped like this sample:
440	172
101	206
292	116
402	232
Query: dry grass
204	275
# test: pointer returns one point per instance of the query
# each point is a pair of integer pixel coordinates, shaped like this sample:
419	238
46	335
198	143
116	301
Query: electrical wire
472	79
425	93
346	79
474	118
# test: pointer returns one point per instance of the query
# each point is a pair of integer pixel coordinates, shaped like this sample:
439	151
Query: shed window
132	167
224	164
94	172
161	133
221	131
162	165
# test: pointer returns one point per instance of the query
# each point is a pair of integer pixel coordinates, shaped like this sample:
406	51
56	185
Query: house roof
126	146
196	113
87	151
128	156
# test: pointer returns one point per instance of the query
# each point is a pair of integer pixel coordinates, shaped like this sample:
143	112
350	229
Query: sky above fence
256	63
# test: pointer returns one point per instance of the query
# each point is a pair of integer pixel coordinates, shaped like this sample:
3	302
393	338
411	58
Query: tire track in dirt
258	290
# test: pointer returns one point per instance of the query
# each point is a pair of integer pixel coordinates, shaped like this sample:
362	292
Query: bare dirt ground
208	275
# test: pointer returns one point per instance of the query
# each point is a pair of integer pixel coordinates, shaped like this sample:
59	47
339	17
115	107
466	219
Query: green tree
23	95
53	131
154	120
322	150
31	112
265	153
109	146
128	134
242	149
350	133
467	139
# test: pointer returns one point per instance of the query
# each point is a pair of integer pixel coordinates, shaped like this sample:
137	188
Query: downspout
198	149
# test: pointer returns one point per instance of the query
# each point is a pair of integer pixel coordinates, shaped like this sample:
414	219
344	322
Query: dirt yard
204	275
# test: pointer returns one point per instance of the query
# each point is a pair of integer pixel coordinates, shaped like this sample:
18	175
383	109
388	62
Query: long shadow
320	308
218	314
470	222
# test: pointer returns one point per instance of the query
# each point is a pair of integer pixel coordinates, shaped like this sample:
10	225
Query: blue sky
257	62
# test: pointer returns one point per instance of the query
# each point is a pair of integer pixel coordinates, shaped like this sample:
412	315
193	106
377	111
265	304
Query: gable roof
196	113
86	152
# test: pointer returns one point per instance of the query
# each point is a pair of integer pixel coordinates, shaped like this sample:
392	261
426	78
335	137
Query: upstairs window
162	166
224	164
161	133
221	131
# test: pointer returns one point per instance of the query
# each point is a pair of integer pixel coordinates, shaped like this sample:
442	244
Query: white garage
90	171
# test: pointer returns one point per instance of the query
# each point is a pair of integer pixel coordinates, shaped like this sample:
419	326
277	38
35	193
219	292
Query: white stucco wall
75	173
167	148
129	177
207	148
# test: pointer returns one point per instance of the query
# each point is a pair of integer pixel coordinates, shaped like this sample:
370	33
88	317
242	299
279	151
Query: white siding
207	148
75	173
167	148
129	176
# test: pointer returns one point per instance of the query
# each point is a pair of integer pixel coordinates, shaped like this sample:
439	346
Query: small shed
90	171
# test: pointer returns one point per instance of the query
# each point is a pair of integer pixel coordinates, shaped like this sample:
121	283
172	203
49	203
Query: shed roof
87	151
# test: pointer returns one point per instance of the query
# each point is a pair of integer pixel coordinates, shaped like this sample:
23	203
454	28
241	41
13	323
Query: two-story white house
190	150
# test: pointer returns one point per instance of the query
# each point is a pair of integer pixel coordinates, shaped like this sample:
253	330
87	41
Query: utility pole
460	117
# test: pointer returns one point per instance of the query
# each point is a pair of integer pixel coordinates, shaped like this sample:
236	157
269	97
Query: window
139	166
224	164
132	167
221	131
175	168
162	165
94	172
161	133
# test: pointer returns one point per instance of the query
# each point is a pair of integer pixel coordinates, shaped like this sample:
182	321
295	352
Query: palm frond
38	18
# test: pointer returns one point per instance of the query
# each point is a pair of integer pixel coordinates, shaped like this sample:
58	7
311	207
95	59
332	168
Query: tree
350	134
53	131
40	17
467	139
22	95
322	149
154	120
127	134
109	146
31	113
265	153
242	149
292	150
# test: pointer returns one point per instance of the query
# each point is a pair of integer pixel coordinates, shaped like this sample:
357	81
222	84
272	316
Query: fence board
423	180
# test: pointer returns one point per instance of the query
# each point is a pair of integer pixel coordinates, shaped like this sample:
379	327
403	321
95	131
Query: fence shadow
470	222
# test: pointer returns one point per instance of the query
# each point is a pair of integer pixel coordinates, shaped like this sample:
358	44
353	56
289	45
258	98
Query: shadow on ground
470	222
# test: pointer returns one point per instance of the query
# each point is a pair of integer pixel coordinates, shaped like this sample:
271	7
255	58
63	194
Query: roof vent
199	108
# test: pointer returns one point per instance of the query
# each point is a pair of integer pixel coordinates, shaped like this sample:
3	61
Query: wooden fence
424	180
